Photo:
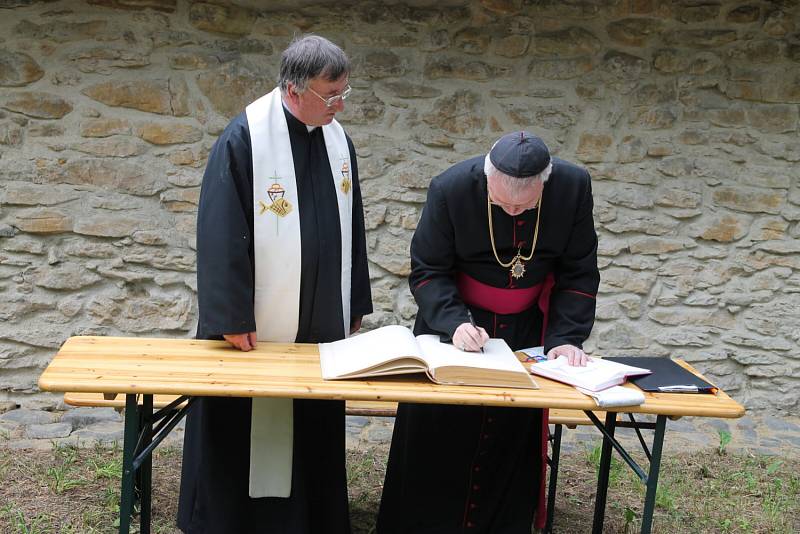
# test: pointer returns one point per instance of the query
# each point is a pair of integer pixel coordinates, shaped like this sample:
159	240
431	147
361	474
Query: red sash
503	301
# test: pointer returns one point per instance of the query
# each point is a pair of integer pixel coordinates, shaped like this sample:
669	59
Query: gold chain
519	255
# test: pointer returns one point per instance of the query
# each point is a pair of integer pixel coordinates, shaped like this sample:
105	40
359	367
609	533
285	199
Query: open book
597	375
393	350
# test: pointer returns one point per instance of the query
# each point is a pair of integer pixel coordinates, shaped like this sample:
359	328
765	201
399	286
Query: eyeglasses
333	100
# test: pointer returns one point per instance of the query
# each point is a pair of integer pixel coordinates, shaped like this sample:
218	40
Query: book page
597	374
496	355
362	352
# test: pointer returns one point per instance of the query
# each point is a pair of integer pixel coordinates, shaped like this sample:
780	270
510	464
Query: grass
71	490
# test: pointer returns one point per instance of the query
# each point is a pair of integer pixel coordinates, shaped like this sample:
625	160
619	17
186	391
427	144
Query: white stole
276	243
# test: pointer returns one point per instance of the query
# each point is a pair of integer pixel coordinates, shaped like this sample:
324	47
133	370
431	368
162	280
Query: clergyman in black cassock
456	469
214	494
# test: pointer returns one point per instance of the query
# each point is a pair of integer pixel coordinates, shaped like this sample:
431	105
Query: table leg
131	436
146	469
652	477
602	476
551	491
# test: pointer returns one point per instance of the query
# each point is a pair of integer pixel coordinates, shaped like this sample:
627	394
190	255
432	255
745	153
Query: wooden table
190	368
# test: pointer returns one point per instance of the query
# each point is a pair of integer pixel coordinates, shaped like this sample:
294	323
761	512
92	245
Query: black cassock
216	456
479	469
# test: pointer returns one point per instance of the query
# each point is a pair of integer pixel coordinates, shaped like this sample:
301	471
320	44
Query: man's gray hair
512	184
309	57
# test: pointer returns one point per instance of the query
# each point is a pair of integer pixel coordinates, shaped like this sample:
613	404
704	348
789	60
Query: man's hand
355	324
470	338
575	356
243	342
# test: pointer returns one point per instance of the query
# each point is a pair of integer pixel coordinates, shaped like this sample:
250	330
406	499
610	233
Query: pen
472	322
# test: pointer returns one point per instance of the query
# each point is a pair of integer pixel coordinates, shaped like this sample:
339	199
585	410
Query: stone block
451	67
642	223
102	432
744	14
779	24
405	89
622	336
634	31
63	31
512	45
18	69
68	275
104	127
615	280
560	69
593	147
225	18
36	104
671	61
749	199
698	13
26	416
161	96
370	110
659	245
148	313
568	43
169	133
48	431
504	7
707	38
104	60
472	40
84	416
382	64
458	114
111	147
625	66
166	6
723	228
232	86
184	199
26	194
42	221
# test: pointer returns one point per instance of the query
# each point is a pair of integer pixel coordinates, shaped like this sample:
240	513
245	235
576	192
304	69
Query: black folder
667	377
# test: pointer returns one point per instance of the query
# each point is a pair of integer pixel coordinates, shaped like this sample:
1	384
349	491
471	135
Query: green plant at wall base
629	516
724	440
774	466
111	469
664	497
593	458
37	525
61	480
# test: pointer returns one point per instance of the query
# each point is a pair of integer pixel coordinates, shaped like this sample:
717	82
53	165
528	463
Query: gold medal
517	267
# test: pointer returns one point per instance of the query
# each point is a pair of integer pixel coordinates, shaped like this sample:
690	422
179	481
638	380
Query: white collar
309	128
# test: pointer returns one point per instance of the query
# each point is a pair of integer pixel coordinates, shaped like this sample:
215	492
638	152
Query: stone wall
686	114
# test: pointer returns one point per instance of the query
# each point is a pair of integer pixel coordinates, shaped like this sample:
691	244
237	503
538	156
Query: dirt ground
70	490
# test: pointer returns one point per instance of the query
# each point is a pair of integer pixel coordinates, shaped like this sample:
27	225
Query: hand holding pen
470	337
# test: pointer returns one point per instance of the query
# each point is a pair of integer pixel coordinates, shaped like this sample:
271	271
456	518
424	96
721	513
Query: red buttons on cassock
489	420
475	487
485	436
520	223
477	468
472	506
470	524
